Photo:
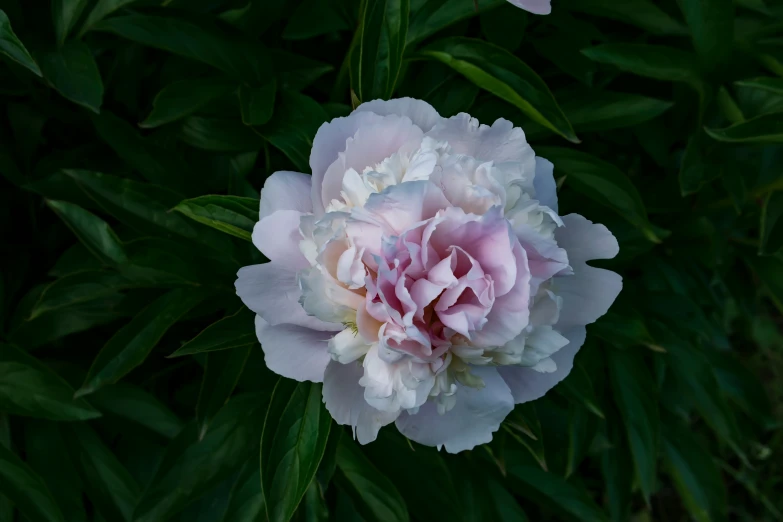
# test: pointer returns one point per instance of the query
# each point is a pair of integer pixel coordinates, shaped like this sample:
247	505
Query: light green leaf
131	345
377	58
536	483
651	61
767	128
241	59
373	494
192	467
234	331
711	24
184	97
296	430
603	183
496	70
135	404
93	232
641	13
65	14
12	48
108	484
30	388
772	223
221	375
26	489
230	214
633	391
72	71
257	103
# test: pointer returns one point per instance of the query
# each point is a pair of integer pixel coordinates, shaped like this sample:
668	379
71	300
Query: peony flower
423	274
540	7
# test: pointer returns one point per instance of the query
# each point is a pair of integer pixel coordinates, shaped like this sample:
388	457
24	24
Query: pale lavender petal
544	183
472	421
271	290
589	292
344	399
539	7
294	351
277	236
286	191
421	113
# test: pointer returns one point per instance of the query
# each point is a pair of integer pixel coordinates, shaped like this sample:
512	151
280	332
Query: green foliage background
134	138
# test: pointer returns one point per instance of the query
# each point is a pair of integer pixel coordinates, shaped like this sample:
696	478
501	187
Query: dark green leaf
241	59
220	135
534	482
102	9
29	388
314	18
632	388
711	23
26	489
234	331
496	70
767	128
523	424
604	183
77	288
65	14
221	374
12	48
504	26
773	85
94	233
133	403
582	425
695	475
246	503
293	127
617	470
183	98
603	110
108	484
295	72
131	345
382	36
192	467
641	13
257	103
435	15
230	214
72	71
296	430
373	494
772	223
578	387
770	272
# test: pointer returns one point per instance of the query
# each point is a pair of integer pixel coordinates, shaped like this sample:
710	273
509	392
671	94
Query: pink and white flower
423	274
539	7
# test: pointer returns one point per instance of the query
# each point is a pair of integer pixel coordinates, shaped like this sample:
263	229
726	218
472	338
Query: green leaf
26	489
221	375
296	430
651	61
192	467
241	59
435	15
578	387
295	72
523	424
230	214
773	85
603	183
29	388
183	98
132	403
711	24
641	13
373	494
101	10
695	475
234	331
93	232
377	59
77	288
108	484
604	110
131	345
633	391
246	503
496	70
12	48
314	18
582	425
767	128
617	470
700	164
257	103
219	135
72	71
772	223
65	14
293	127
536	483
769	270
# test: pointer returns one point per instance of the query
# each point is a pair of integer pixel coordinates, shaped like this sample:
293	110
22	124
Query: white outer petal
421	113
294	351
544	183
472	421
277	236
285	191
539	7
